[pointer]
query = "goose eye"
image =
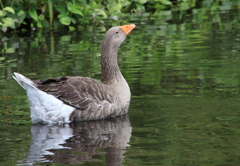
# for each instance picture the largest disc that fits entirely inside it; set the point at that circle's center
(117, 32)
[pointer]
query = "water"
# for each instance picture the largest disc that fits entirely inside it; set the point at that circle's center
(183, 71)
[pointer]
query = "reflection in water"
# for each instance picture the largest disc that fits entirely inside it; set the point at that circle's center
(78, 142)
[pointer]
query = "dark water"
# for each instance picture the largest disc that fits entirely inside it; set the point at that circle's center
(183, 68)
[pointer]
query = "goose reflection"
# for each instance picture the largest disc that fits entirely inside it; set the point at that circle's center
(80, 141)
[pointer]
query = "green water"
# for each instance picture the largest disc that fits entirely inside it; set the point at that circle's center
(183, 69)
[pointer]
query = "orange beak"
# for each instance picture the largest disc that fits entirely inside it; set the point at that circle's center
(128, 28)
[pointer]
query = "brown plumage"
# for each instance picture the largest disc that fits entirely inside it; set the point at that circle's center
(92, 99)
(88, 99)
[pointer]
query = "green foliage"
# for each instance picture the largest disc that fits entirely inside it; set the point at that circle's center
(55, 13)
(27, 14)
(5, 20)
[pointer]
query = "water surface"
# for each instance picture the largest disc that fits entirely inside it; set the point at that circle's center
(184, 73)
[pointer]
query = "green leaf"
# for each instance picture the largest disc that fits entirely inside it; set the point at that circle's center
(33, 14)
(142, 1)
(8, 22)
(21, 16)
(61, 9)
(74, 9)
(71, 28)
(39, 25)
(85, 21)
(9, 9)
(166, 2)
(41, 17)
(104, 14)
(62, 15)
(2, 13)
(20, 13)
(45, 23)
(65, 20)
(73, 20)
(126, 3)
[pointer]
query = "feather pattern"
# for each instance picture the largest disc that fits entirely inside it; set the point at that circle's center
(86, 95)
(66, 98)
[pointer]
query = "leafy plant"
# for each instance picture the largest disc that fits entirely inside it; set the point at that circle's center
(25, 14)
(7, 21)
(49, 13)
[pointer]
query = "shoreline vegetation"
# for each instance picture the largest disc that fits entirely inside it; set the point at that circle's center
(25, 15)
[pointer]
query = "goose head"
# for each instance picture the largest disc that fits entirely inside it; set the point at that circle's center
(115, 36)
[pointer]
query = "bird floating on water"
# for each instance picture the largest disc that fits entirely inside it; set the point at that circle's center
(66, 99)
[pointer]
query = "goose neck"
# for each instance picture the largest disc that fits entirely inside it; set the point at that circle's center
(110, 70)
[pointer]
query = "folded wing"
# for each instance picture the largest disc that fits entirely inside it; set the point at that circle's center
(78, 92)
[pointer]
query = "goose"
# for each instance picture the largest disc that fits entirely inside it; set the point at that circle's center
(68, 99)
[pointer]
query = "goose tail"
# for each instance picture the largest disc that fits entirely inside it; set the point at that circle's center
(24, 81)
(44, 107)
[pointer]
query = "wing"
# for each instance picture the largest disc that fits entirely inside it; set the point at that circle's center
(78, 92)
